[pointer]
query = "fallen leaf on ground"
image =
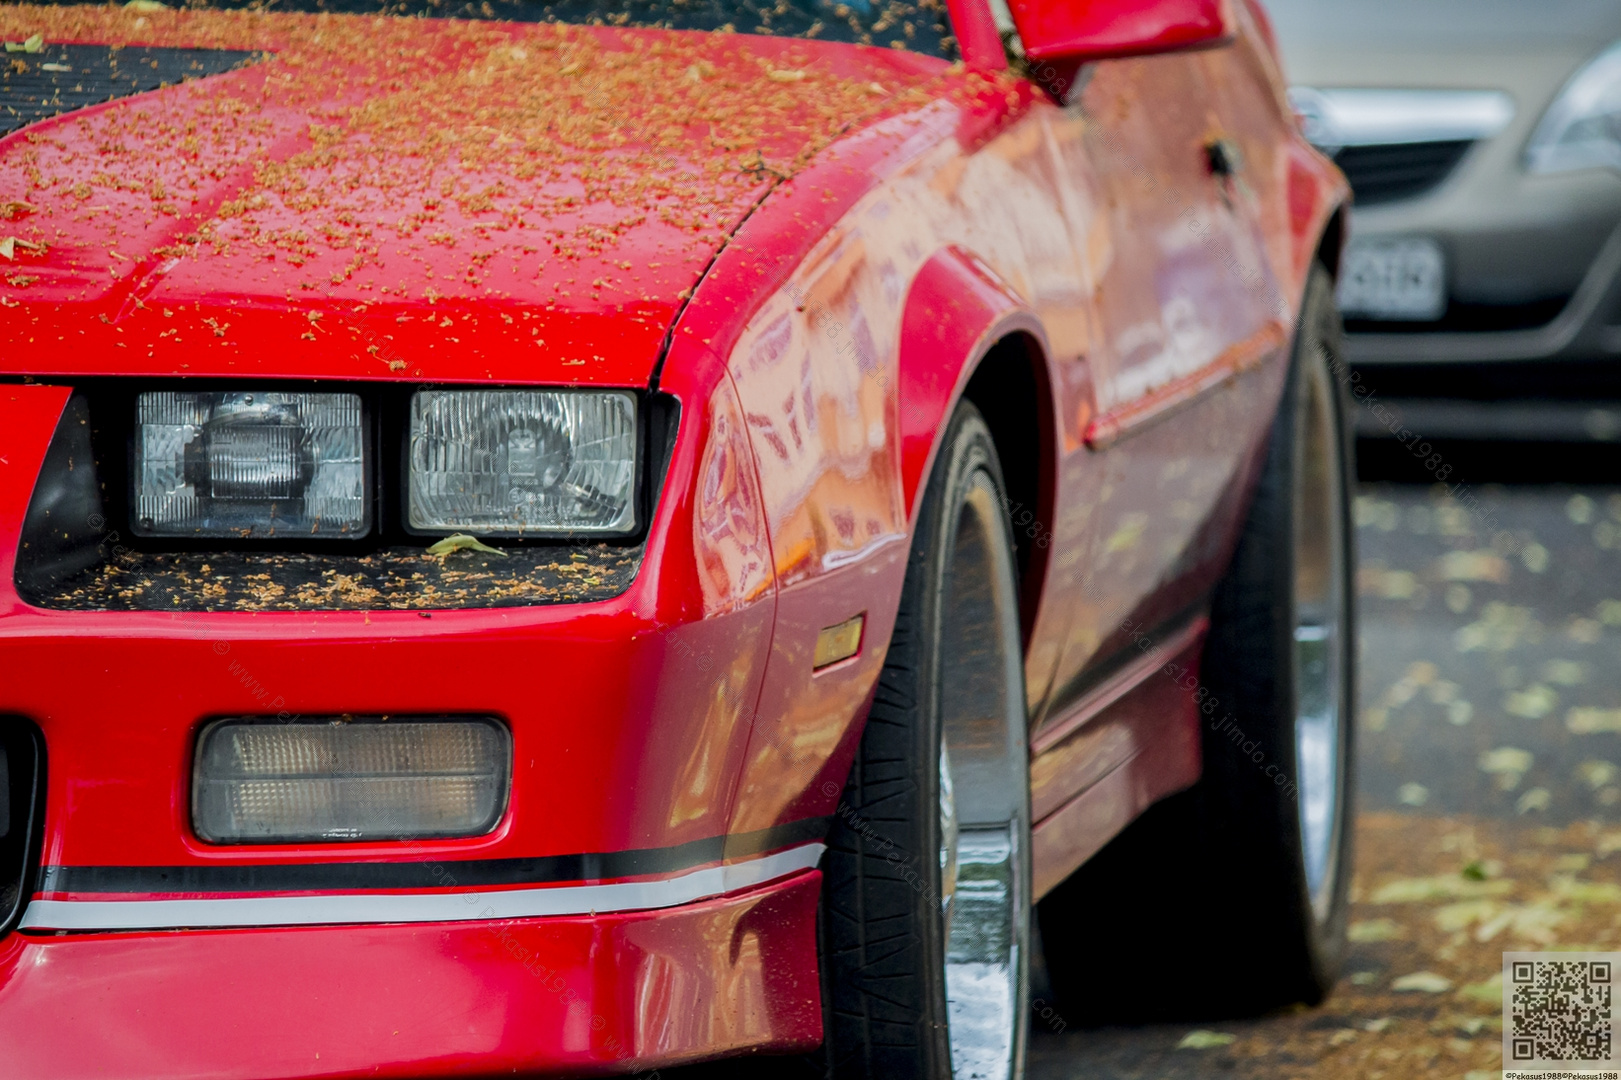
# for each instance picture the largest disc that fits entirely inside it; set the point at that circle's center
(1489, 991)
(1387, 584)
(1538, 798)
(1422, 982)
(1441, 887)
(1590, 721)
(1463, 914)
(1474, 566)
(1565, 672)
(1205, 1040)
(1413, 795)
(1586, 892)
(1374, 930)
(1595, 773)
(1507, 763)
(1608, 844)
(1533, 922)
(1532, 703)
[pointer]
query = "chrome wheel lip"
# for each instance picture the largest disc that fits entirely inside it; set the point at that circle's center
(984, 858)
(1320, 639)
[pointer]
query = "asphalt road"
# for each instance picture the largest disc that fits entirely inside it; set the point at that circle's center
(1489, 740)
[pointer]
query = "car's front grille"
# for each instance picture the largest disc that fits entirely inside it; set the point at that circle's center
(62, 78)
(1387, 172)
(22, 782)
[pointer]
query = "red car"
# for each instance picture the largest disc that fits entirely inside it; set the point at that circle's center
(575, 539)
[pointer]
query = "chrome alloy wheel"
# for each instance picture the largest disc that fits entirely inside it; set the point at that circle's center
(1320, 630)
(984, 808)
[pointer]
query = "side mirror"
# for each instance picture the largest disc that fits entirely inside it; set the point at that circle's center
(1061, 35)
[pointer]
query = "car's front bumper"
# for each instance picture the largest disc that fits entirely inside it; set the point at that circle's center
(1533, 264)
(614, 879)
(579, 995)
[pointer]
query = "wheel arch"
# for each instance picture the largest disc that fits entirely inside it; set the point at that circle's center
(1331, 243)
(966, 335)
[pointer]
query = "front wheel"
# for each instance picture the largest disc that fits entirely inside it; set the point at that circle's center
(926, 895)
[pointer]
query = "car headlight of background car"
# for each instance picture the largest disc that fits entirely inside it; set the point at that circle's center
(1582, 128)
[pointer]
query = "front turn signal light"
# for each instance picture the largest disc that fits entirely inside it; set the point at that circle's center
(350, 779)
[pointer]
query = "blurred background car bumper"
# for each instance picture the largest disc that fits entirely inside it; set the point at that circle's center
(1531, 269)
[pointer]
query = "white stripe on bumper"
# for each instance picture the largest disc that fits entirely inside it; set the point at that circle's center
(418, 907)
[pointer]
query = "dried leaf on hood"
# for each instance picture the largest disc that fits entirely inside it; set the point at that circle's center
(10, 245)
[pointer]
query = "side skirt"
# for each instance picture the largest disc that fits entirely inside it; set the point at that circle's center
(1130, 742)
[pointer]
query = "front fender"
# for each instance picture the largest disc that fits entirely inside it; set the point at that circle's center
(956, 310)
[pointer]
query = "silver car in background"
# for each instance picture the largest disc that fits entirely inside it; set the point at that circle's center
(1482, 139)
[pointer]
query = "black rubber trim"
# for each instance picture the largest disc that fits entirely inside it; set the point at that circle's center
(419, 873)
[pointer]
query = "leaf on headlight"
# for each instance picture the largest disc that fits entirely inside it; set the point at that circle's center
(461, 542)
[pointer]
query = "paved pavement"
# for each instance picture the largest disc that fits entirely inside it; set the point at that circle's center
(1490, 784)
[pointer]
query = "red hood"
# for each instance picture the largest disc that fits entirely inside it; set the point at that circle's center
(402, 198)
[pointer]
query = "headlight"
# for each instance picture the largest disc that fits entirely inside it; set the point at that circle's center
(250, 463)
(513, 462)
(350, 779)
(1582, 128)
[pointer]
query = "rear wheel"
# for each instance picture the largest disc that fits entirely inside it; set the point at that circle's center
(1232, 897)
(925, 908)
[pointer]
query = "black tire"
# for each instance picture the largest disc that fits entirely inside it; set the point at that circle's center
(1204, 906)
(954, 671)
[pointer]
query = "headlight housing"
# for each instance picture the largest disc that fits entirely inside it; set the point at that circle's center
(1582, 128)
(250, 463)
(523, 462)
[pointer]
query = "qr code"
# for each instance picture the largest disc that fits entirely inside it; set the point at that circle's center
(1558, 1007)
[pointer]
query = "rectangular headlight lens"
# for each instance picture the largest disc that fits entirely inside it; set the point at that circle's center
(509, 462)
(354, 779)
(250, 463)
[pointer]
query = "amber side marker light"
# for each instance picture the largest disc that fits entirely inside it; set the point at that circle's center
(350, 778)
(840, 642)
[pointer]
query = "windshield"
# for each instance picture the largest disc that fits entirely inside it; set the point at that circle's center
(915, 25)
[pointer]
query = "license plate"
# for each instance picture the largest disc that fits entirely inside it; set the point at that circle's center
(1393, 280)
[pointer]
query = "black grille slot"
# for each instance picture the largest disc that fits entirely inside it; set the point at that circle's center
(62, 78)
(1391, 171)
(22, 803)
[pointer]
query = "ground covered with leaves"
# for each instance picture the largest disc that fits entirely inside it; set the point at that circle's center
(1437, 901)
(1490, 781)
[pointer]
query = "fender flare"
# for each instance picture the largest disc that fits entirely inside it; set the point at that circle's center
(1318, 197)
(956, 310)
